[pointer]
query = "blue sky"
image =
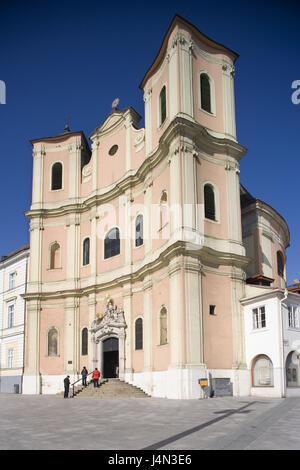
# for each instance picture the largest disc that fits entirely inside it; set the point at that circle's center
(71, 57)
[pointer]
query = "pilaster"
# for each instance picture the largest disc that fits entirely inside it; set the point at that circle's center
(186, 75)
(95, 146)
(148, 120)
(128, 127)
(193, 306)
(127, 307)
(38, 176)
(32, 381)
(74, 168)
(147, 287)
(177, 324)
(173, 80)
(228, 101)
(71, 336)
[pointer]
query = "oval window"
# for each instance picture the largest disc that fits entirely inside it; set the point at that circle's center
(113, 150)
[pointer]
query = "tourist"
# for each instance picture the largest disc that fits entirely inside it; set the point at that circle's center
(84, 374)
(67, 386)
(95, 377)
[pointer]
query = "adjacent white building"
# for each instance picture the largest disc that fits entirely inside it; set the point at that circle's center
(13, 279)
(272, 341)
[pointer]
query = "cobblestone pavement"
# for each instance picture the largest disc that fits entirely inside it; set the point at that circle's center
(53, 423)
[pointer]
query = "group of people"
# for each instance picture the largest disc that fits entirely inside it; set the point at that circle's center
(84, 374)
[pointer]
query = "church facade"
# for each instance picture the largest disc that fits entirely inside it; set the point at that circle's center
(142, 248)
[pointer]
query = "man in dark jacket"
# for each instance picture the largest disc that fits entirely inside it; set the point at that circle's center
(67, 386)
(84, 374)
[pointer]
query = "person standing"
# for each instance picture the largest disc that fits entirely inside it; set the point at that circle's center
(67, 386)
(84, 374)
(95, 377)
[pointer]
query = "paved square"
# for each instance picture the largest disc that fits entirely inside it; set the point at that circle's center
(53, 423)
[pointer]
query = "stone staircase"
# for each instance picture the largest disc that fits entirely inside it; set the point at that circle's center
(109, 388)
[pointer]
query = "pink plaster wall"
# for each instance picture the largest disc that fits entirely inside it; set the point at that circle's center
(50, 235)
(111, 167)
(213, 173)
(51, 317)
(137, 312)
(217, 329)
(160, 297)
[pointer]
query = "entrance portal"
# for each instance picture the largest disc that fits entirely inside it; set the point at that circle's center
(111, 358)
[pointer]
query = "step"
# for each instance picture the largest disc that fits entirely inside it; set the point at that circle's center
(111, 388)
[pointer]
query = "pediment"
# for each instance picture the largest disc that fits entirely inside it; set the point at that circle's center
(115, 120)
(112, 122)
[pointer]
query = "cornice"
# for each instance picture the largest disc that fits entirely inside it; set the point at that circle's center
(180, 127)
(178, 20)
(279, 293)
(263, 208)
(175, 257)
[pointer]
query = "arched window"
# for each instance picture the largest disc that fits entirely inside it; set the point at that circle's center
(52, 342)
(84, 342)
(112, 243)
(280, 264)
(139, 334)
(262, 372)
(56, 176)
(86, 252)
(293, 369)
(163, 325)
(162, 105)
(205, 92)
(139, 230)
(55, 256)
(209, 202)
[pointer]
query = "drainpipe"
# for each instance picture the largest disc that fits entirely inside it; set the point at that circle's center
(281, 328)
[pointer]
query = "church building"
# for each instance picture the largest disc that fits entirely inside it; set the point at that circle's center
(144, 245)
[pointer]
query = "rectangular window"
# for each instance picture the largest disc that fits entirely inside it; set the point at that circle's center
(293, 317)
(10, 357)
(259, 318)
(10, 316)
(12, 281)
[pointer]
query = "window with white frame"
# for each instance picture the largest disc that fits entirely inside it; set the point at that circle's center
(12, 281)
(293, 316)
(10, 357)
(10, 316)
(259, 317)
